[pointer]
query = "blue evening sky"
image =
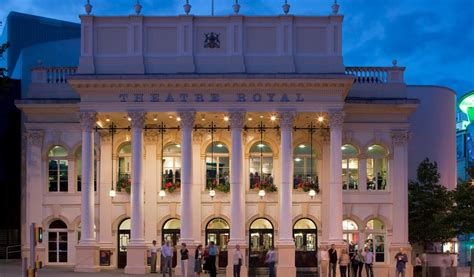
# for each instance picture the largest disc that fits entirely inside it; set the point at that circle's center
(434, 39)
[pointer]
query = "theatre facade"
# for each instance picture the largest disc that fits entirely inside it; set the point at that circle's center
(233, 129)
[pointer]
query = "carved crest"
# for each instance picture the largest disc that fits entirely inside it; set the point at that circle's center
(212, 40)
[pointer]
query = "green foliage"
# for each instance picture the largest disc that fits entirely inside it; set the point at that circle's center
(463, 211)
(3, 48)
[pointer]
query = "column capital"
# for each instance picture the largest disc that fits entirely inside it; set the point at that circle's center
(187, 118)
(400, 137)
(287, 118)
(138, 119)
(336, 118)
(237, 119)
(87, 120)
(34, 137)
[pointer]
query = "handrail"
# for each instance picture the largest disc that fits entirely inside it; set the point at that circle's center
(9, 247)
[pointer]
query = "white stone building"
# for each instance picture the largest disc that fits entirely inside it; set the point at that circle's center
(288, 115)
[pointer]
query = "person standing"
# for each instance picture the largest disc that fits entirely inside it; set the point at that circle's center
(270, 260)
(167, 254)
(323, 261)
(332, 260)
(418, 266)
(198, 257)
(357, 263)
(184, 259)
(213, 251)
(153, 252)
(368, 260)
(401, 259)
(237, 260)
(344, 261)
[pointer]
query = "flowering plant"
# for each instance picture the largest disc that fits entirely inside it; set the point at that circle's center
(266, 185)
(307, 186)
(217, 185)
(124, 183)
(170, 186)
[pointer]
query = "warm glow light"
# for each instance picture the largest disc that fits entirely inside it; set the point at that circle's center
(261, 145)
(320, 119)
(162, 194)
(250, 119)
(178, 118)
(112, 193)
(155, 119)
(212, 193)
(297, 159)
(261, 116)
(107, 119)
(371, 147)
(273, 118)
(129, 119)
(226, 118)
(170, 116)
(178, 145)
(302, 146)
(100, 124)
(312, 193)
(343, 148)
(220, 145)
(261, 193)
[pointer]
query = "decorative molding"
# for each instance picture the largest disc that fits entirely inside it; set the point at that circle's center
(336, 119)
(237, 119)
(138, 119)
(325, 136)
(34, 137)
(151, 137)
(87, 120)
(287, 118)
(187, 118)
(400, 137)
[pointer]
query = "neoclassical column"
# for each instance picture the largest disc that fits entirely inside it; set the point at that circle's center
(237, 212)
(363, 172)
(136, 251)
(336, 120)
(286, 245)
(87, 253)
(187, 122)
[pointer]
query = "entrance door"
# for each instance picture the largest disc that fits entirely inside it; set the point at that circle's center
(123, 238)
(217, 230)
(171, 233)
(261, 239)
(306, 241)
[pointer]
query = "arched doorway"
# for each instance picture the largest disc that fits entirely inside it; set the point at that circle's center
(305, 234)
(171, 233)
(123, 237)
(217, 230)
(261, 239)
(57, 242)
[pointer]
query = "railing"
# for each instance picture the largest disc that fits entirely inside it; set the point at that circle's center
(52, 75)
(376, 74)
(9, 251)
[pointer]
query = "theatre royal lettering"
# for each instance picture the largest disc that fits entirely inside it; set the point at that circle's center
(210, 97)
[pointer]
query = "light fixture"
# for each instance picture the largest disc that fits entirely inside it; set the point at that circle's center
(261, 145)
(261, 116)
(273, 118)
(220, 145)
(312, 193)
(226, 118)
(107, 118)
(178, 145)
(297, 159)
(129, 119)
(371, 147)
(212, 193)
(170, 116)
(343, 148)
(302, 146)
(261, 193)
(320, 119)
(155, 118)
(112, 193)
(250, 119)
(162, 193)
(99, 123)
(178, 118)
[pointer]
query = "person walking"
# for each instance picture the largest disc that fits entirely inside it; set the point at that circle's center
(211, 259)
(323, 261)
(332, 260)
(184, 259)
(153, 252)
(344, 261)
(270, 260)
(198, 257)
(237, 259)
(401, 259)
(167, 254)
(369, 261)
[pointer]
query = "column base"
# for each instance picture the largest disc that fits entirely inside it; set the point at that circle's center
(136, 259)
(87, 258)
(230, 261)
(286, 260)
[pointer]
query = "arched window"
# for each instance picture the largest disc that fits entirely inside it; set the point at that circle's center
(376, 167)
(57, 169)
(302, 164)
(305, 235)
(217, 166)
(351, 235)
(79, 169)
(375, 239)
(218, 231)
(261, 239)
(57, 242)
(123, 237)
(350, 167)
(172, 164)
(124, 167)
(261, 163)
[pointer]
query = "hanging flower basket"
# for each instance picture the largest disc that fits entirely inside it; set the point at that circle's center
(124, 183)
(307, 186)
(217, 185)
(266, 185)
(172, 186)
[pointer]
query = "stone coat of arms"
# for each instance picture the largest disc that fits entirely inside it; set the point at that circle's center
(212, 40)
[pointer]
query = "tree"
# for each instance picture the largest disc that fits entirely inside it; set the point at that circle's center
(463, 210)
(3, 48)
(430, 207)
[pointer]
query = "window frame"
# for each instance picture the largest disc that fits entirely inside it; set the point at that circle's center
(57, 179)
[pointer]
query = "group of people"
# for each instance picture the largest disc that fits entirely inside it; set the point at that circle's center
(204, 259)
(356, 261)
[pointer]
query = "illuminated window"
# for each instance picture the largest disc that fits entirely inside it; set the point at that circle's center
(302, 162)
(350, 167)
(376, 167)
(57, 169)
(261, 163)
(375, 239)
(351, 235)
(217, 166)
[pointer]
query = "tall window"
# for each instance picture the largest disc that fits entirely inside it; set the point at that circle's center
(351, 235)
(375, 239)
(350, 167)
(124, 167)
(261, 163)
(57, 242)
(79, 170)
(217, 165)
(57, 169)
(172, 163)
(302, 162)
(376, 167)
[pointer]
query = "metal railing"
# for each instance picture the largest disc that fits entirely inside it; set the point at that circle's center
(8, 250)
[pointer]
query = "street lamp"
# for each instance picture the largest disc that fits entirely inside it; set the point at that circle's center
(162, 193)
(212, 193)
(312, 193)
(261, 193)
